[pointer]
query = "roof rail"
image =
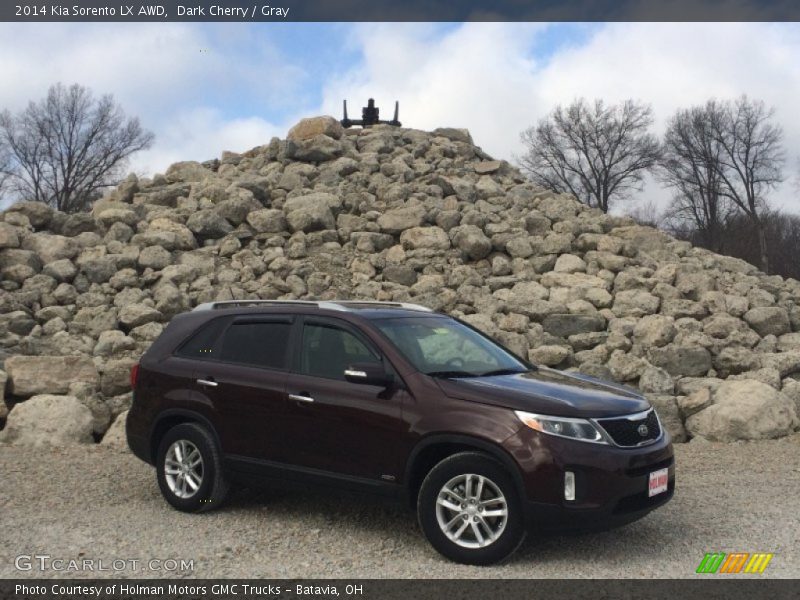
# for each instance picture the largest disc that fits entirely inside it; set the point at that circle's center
(342, 305)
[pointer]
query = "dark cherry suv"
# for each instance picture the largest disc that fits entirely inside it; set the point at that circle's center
(399, 400)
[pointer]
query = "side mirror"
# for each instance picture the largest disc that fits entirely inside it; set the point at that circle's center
(368, 373)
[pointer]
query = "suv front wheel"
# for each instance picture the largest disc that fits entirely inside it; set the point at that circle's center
(469, 509)
(189, 469)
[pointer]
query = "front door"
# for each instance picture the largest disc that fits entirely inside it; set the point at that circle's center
(333, 425)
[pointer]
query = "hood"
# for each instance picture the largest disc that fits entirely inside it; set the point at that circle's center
(548, 392)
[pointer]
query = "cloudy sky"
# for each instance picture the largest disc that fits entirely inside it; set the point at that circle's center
(205, 88)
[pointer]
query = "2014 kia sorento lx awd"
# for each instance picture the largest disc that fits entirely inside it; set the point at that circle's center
(395, 399)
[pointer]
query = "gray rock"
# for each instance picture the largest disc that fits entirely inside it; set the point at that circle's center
(656, 381)
(433, 238)
(310, 128)
(549, 355)
(48, 420)
(154, 257)
(565, 325)
(9, 238)
(654, 330)
(402, 274)
(744, 410)
(677, 360)
(267, 220)
(32, 375)
(768, 320)
(134, 315)
(397, 220)
(115, 379)
(310, 213)
(208, 224)
(472, 241)
(635, 303)
(115, 437)
(695, 402)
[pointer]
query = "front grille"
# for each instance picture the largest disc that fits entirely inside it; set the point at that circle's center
(625, 432)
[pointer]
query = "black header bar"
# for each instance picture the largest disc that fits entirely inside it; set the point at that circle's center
(399, 10)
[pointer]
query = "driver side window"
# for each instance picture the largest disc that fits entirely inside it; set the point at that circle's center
(327, 351)
(445, 346)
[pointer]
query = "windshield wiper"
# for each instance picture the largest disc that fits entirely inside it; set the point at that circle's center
(501, 372)
(449, 374)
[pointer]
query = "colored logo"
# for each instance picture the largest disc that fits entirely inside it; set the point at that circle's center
(735, 562)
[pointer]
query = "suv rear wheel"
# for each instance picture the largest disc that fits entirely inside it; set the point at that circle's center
(469, 509)
(189, 469)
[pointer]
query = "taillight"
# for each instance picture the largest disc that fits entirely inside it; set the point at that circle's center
(134, 375)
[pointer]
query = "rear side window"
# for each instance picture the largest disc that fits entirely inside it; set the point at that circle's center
(201, 343)
(257, 344)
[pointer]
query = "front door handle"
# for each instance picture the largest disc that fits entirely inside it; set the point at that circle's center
(300, 398)
(207, 382)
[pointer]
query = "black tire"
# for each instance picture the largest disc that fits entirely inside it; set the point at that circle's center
(510, 535)
(213, 486)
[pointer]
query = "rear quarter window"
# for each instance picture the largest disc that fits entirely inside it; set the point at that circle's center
(201, 344)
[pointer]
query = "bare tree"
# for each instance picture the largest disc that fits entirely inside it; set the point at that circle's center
(647, 213)
(597, 153)
(67, 147)
(5, 169)
(691, 165)
(751, 162)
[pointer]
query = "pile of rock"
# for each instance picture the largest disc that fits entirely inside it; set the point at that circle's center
(387, 214)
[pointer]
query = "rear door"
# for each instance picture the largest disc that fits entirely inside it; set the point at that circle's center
(333, 425)
(245, 381)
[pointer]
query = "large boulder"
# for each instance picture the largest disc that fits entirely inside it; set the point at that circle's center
(311, 212)
(267, 220)
(565, 325)
(397, 220)
(768, 320)
(208, 224)
(310, 128)
(654, 330)
(51, 247)
(744, 410)
(31, 375)
(635, 303)
(676, 359)
(472, 241)
(48, 420)
(433, 238)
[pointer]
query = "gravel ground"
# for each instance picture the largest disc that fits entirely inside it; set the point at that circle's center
(104, 504)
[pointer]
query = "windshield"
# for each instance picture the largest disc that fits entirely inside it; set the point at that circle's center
(443, 347)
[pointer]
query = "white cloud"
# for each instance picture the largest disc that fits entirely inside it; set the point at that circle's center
(202, 134)
(184, 81)
(206, 88)
(481, 76)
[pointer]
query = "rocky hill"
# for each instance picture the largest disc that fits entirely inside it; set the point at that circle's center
(386, 214)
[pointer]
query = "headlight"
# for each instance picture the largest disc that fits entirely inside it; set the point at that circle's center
(575, 429)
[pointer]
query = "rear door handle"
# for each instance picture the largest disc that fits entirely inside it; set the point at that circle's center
(207, 382)
(300, 398)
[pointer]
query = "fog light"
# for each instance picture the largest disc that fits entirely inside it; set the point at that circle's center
(569, 485)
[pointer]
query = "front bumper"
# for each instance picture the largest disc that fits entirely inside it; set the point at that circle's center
(611, 483)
